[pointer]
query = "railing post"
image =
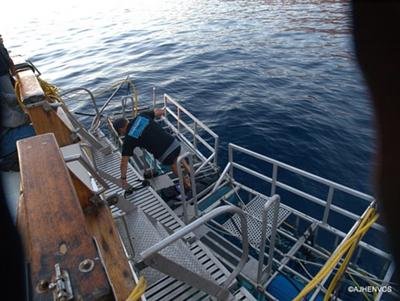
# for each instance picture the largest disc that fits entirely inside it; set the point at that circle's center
(328, 204)
(216, 145)
(230, 158)
(193, 184)
(178, 114)
(274, 178)
(273, 236)
(273, 202)
(194, 135)
(165, 105)
(154, 97)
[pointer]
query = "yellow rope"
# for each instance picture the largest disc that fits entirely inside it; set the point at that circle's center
(138, 291)
(135, 96)
(19, 96)
(346, 261)
(50, 90)
(358, 286)
(371, 216)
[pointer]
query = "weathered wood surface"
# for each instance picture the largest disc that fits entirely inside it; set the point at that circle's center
(84, 193)
(102, 227)
(30, 89)
(48, 122)
(22, 225)
(55, 224)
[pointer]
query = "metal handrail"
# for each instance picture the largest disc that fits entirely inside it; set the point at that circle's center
(192, 182)
(275, 183)
(273, 201)
(197, 124)
(168, 98)
(79, 128)
(316, 178)
(124, 102)
(326, 205)
(204, 163)
(221, 177)
(201, 221)
(87, 91)
(96, 121)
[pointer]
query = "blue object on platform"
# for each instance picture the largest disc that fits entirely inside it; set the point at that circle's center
(8, 141)
(284, 289)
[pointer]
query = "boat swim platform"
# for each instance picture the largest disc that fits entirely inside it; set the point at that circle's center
(155, 216)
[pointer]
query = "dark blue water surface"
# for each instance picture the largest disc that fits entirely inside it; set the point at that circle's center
(279, 77)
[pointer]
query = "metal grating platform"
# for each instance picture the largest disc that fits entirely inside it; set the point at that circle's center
(166, 288)
(243, 294)
(254, 220)
(143, 233)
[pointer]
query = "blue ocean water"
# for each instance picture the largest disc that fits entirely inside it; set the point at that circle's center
(278, 77)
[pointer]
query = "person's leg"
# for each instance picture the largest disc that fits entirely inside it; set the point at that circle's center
(172, 160)
(186, 179)
(9, 140)
(186, 166)
(174, 167)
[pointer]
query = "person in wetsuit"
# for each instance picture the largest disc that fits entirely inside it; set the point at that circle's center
(144, 132)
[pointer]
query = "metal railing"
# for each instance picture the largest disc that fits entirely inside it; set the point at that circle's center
(179, 126)
(92, 98)
(263, 274)
(273, 180)
(326, 205)
(181, 233)
(81, 130)
(97, 120)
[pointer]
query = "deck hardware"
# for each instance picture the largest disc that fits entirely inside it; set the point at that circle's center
(46, 106)
(112, 200)
(42, 286)
(63, 248)
(96, 201)
(61, 287)
(74, 136)
(86, 266)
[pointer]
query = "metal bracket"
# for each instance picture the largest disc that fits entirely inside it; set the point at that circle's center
(61, 287)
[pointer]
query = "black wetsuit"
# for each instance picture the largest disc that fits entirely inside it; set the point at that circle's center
(4, 61)
(144, 132)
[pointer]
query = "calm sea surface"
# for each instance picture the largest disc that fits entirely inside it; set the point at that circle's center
(278, 77)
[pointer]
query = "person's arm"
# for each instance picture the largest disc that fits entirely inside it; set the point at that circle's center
(159, 112)
(124, 169)
(154, 113)
(127, 150)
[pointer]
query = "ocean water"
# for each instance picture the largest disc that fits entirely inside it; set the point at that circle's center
(277, 77)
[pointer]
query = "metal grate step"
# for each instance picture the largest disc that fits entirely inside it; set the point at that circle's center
(243, 294)
(143, 233)
(110, 164)
(254, 220)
